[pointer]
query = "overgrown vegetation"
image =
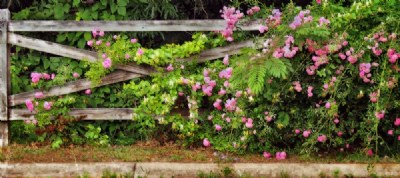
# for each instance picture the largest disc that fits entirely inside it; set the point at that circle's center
(320, 79)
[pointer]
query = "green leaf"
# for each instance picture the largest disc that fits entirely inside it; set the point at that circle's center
(113, 7)
(76, 3)
(103, 2)
(122, 3)
(283, 119)
(59, 12)
(87, 36)
(276, 68)
(61, 38)
(122, 10)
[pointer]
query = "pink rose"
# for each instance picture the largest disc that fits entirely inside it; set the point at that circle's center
(267, 155)
(107, 63)
(170, 68)
(206, 143)
(322, 138)
(218, 127)
(39, 95)
(47, 105)
(29, 104)
(75, 75)
(88, 92)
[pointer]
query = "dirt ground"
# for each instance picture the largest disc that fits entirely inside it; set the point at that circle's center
(151, 152)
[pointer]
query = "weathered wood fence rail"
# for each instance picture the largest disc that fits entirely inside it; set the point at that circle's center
(123, 72)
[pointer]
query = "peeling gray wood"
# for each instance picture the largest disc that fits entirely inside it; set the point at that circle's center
(67, 51)
(139, 25)
(220, 52)
(86, 113)
(4, 77)
(75, 86)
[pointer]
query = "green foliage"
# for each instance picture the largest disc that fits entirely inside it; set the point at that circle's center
(268, 103)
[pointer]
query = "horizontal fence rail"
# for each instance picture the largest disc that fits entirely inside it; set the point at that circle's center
(138, 25)
(75, 86)
(86, 114)
(67, 51)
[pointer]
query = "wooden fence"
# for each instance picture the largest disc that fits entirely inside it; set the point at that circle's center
(123, 72)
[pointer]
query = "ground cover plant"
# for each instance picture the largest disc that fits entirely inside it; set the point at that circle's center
(320, 79)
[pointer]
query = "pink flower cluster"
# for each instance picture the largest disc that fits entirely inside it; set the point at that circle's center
(272, 21)
(97, 32)
(306, 133)
(170, 68)
(397, 122)
(288, 50)
(29, 104)
(39, 95)
(226, 73)
(226, 60)
(206, 143)
(107, 63)
(393, 56)
(365, 69)
(373, 97)
(268, 116)
(323, 21)
(217, 104)
(297, 86)
(301, 18)
(35, 77)
(321, 54)
(309, 91)
(231, 16)
(253, 10)
(249, 123)
(322, 138)
(378, 38)
(280, 155)
(230, 104)
(380, 115)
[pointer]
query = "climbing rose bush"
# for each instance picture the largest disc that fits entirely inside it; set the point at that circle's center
(316, 80)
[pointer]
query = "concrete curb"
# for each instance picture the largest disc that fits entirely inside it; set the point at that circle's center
(166, 169)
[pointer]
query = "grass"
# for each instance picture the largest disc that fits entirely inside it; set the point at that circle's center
(148, 152)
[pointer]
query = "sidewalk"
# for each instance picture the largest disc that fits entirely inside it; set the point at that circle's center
(166, 169)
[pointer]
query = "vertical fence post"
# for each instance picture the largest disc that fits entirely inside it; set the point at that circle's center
(4, 77)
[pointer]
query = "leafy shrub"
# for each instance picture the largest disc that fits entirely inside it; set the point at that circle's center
(320, 79)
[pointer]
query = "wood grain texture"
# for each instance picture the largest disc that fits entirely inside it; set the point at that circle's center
(139, 25)
(75, 86)
(87, 113)
(67, 51)
(219, 52)
(4, 77)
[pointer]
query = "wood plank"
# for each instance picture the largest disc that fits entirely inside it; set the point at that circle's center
(75, 86)
(4, 77)
(220, 52)
(67, 51)
(138, 25)
(88, 113)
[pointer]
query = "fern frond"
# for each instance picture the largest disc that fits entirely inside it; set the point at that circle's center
(276, 68)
